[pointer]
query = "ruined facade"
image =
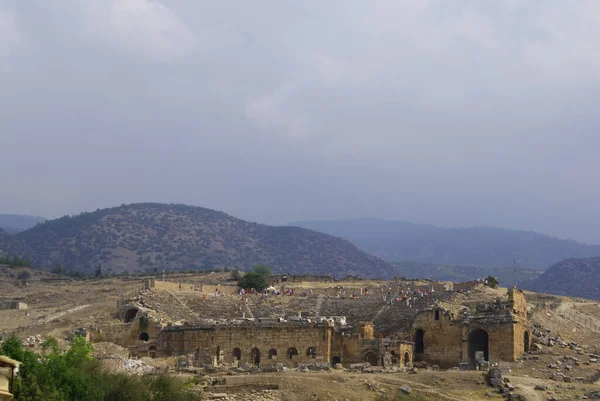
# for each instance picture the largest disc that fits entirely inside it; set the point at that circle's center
(499, 330)
(446, 334)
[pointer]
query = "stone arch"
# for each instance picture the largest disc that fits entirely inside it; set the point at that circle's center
(419, 341)
(237, 354)
(372, 358)
(291, 352)
(144, 336)
(311, 352)
(407, 359)
(255, 354)
(130, 314)
(272, 353)
(526, 341)
(478, 340)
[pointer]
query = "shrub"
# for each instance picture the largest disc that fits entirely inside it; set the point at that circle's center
(263, 270)
(253, 280)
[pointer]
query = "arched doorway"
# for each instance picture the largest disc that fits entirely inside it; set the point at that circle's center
(255, 353)
(478, 341)
(372, 358)
(407, 360)
(272, 353)
(152, 351)
(526, 341)
(144, 337)
(335, 359)
(311, 352)
(419, 343)
(237, 354)
(130, 315)
(291, 352)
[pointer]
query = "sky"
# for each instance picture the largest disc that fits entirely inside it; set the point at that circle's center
(452, 113)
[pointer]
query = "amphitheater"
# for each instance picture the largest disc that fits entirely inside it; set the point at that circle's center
(323, 321)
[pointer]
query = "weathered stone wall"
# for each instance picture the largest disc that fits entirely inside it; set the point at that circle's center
(136, 333)
(448, 341)
(442, 339)
(222, 341)
(13, 305)
(352, 349)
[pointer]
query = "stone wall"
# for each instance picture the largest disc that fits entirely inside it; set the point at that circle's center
(501, 332)
(289, 344)
(353, 349)
(13, 305)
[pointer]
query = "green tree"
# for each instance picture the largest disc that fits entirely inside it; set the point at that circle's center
(50, 343)
(263, 270)
(252, 280)
(492, 282)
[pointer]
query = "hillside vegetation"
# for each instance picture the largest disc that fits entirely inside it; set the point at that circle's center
(474, 246)
(572, 277)
(9, 245)
(148, 237)
(15, 223)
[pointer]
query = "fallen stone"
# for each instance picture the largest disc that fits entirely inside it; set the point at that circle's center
(405, 389)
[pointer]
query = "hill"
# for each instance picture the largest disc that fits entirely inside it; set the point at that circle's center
(150, 236)
(461, 274)
(15, 223)
(571, 277)
(9, 245)
(475, 246)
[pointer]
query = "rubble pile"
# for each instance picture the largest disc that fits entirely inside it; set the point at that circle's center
(33, 341)
(136, 366)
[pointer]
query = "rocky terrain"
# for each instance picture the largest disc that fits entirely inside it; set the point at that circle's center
(572, 277)
(563, 363)
(152, 237)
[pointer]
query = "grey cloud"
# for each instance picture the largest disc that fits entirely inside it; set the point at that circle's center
(453, 113)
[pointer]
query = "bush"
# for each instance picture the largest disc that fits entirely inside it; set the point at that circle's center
(492, 282)
(253, 280)
(74, 376)
(263, 270)
(24, 275)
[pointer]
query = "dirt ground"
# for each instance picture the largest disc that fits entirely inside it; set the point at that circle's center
(57, 307)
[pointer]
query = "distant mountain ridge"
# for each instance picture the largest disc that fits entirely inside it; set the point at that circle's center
(148, 236)
(15, 223)
(475, 246)
(571, 277)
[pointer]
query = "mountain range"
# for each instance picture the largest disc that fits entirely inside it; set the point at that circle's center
(15, 223)
(470, 246)
(151, 236)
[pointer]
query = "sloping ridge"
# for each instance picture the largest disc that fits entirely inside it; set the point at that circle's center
(9, 245)
(571, 277)
(14, 223)
(149, 236)
(472, 246)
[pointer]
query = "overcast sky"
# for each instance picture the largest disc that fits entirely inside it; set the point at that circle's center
(446, 112)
